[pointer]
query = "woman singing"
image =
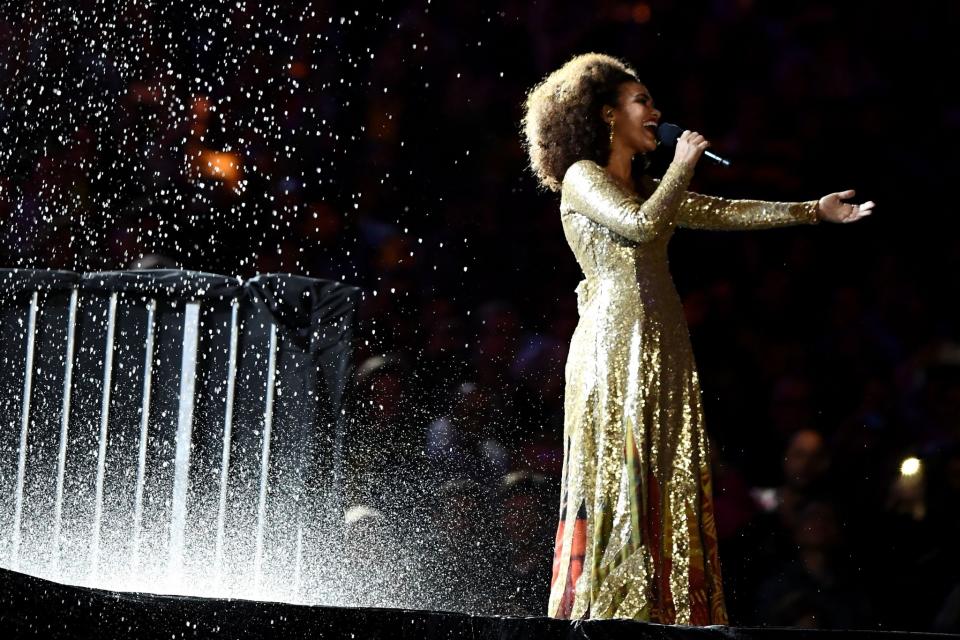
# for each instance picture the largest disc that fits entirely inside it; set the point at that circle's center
(636, 537)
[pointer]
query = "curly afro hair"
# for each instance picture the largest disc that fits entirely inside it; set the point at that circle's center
(562, 122)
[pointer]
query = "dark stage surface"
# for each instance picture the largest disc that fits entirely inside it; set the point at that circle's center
(35, 608)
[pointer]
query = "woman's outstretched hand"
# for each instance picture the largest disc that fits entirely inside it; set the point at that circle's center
(833, 210)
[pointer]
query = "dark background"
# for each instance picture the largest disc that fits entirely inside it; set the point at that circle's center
(378, 143)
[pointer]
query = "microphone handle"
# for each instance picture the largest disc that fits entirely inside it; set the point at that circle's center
(721, 161)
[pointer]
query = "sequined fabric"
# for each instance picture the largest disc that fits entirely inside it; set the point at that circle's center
(636, 537)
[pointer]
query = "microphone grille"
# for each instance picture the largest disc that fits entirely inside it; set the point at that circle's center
(668, 133)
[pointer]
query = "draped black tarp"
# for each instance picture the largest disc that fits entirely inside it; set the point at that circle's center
(34, 608)
(130, 390)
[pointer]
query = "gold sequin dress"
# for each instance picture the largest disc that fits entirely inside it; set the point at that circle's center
(636, 537)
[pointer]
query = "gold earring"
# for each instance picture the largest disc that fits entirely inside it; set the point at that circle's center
(611, 132)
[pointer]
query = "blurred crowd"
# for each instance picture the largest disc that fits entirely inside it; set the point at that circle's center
(383, 150)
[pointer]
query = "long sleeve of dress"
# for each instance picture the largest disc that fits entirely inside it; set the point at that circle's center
(588, 189)
(698, 211)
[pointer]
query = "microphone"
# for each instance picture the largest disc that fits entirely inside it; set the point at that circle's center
(669, 133)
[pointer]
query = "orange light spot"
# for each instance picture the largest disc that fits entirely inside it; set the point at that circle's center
(220, 165)
(642, 13)
(298, 70)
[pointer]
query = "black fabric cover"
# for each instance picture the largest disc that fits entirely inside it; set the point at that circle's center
(34, 608)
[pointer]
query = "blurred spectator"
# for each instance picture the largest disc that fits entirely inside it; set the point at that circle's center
(814, 588)
(384, 458)
(539, 367)
(465, 555)
(805, 465)
(769, 538)
(527, 518)
(463, 443)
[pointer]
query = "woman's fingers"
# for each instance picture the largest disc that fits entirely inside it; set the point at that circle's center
(696, 139)
(690, 147)
(857, 212)
(862, 210)
(849, 193)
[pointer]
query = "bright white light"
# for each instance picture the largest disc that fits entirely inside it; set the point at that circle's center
(910, 466)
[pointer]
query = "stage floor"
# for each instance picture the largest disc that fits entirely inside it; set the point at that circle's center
(34, 608)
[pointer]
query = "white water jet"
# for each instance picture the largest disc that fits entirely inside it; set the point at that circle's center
(24, 426)
(181, 464)
(144, 429)
(227, 436)
(265, 457)
(104, 424)
(64, 427)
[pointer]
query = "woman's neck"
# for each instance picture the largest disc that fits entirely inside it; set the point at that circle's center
(620, 166)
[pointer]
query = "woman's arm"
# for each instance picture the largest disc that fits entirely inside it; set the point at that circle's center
(588, 189)
(698, 211)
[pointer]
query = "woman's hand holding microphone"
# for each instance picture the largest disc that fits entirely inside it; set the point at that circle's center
(690, 146)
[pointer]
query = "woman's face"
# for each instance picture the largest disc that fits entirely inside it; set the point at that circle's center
(635, 118)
